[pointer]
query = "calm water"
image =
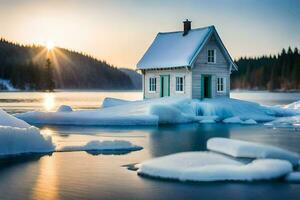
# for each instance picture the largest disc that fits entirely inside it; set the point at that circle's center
(80, 175)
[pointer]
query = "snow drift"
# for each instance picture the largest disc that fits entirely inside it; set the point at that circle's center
(208, 166)
(163, 110)
(243, 149)
(18, 137)
(95, 145)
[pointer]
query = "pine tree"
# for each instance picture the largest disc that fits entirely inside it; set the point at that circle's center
(50, 85)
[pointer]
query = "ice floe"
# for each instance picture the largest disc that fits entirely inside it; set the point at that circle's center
(264, 163)
(18, 137)
(208, 166)
(169, 110)
(244, 149)
(293, 177)
(64, 108)
(286, 122)
(106, 145)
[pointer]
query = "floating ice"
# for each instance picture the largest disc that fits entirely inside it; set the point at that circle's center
(233, 120)
(238, 148)
(249, 122)
(9, 120)
(208, 166)
(286, 122)
(170, 110)
(17, 137)
(95, 145)
(293, 177)
(64, 108)
(109, 102)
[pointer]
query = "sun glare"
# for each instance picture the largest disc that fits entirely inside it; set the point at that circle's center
(49, 45)
(49, 101)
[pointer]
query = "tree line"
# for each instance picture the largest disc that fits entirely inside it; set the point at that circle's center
(33, 67)
(274, 72)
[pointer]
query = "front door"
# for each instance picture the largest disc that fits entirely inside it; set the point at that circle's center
(164, 85)
(206, 86)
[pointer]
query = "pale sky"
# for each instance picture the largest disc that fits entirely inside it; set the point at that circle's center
(120, 31)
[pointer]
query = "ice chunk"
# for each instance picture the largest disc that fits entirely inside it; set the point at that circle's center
(294, 105)
(207, 121)
(208, 166)
(9, 120)
(168, 114)
(155, 111)
(17, 137)
(108, 145)
(15, 140)
(293, 177)
(64, 108)
(286, 122)
(238, 148)
(249, 122)
(109, 102)
(233, 120)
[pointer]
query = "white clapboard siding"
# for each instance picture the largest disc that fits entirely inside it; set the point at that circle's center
(173, 73)
(219, 69)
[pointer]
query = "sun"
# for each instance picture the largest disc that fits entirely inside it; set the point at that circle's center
(49, 45)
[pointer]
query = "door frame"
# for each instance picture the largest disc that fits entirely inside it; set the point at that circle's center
(161, 84)
(203, 76)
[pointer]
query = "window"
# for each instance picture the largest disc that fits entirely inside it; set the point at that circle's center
(179, 84)
(152, 84)
(211, 56)
(221, 84)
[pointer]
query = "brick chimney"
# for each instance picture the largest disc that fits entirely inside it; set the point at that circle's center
(186, 27)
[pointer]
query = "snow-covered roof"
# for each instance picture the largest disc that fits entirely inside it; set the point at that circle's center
(172, 49)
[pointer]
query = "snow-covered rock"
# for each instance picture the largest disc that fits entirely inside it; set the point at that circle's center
(108, 145)
(244, 149)
(158, 111)
(17, 137)
(293, 177)
(208, 166)
(64, 108)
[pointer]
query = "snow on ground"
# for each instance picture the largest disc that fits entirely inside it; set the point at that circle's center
(208, 166)
(7, 84)
(17, 137)
(243, 149)
(160, 111)
(108, 145)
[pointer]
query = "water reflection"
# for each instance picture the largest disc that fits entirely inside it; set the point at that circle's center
(46, 186)
(172, 139)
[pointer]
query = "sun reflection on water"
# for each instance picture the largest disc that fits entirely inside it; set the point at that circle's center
(49, 101)
(46, 183)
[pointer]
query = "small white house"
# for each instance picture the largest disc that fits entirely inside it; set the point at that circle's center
(193, 63)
